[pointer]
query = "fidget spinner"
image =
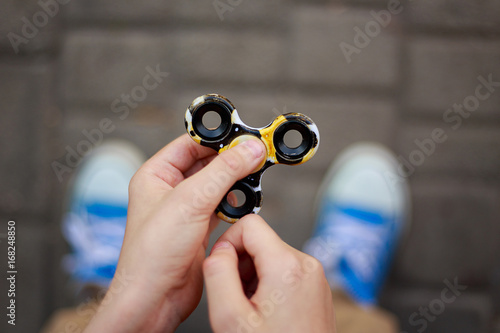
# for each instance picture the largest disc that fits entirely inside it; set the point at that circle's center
(232, 131)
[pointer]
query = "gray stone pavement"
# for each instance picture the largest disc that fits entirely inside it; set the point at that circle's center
(70, 61)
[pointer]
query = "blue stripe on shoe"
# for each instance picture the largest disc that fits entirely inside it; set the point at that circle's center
(365, 216)
(106, 272)
(106, 210)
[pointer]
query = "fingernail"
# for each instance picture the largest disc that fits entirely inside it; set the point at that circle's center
(255, 147)
(220, 245)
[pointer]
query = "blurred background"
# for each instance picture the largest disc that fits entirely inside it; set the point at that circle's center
(375, 70)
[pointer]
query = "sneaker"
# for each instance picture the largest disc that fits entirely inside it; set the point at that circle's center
(361, 213)
(94, 225)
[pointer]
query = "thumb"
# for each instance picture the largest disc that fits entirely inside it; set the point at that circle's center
(225, 295)
(202, 192)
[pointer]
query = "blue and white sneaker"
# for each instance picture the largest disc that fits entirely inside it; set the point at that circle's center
(361, 213)
(94, 226)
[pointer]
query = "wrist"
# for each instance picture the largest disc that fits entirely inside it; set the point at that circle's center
(129, 307)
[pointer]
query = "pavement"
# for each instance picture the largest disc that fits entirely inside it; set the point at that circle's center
(421, 77)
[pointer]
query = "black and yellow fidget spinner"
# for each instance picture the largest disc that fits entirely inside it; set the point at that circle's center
(232, 131)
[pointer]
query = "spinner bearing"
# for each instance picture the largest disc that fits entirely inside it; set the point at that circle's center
(232, 131)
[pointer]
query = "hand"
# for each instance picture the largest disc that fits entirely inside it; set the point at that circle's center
(170, 216)
(257, 283)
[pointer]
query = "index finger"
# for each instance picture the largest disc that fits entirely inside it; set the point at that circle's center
(254, 236)
(176, 158)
